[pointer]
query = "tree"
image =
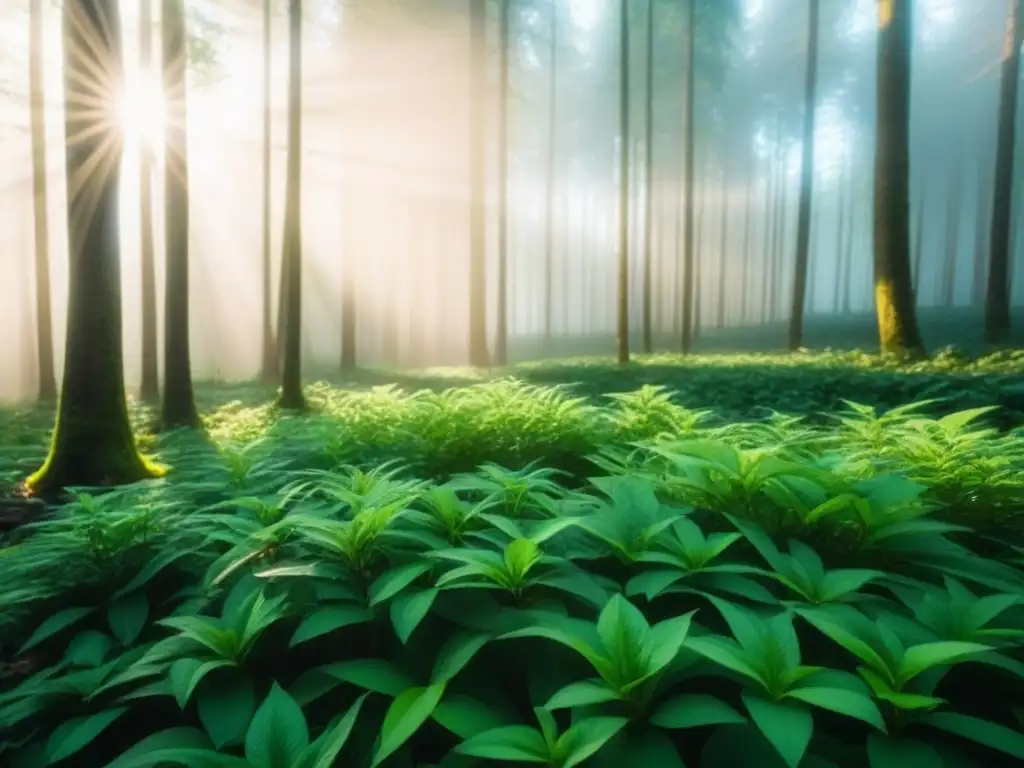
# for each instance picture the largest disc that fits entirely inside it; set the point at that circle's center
(269, 361)
(477, 225)
(648, 179)
(291, 374)
(997, 300)
(689, 119)
(92, 440)
(179, 407)
(623, 277)
(803, 227)
(44, 315)
(549, 179)
(894, 290)
(504, 35)
(149, 390)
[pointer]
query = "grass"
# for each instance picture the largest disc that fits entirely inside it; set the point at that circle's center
(804, 560)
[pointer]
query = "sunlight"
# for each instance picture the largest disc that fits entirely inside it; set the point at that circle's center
(140, 111)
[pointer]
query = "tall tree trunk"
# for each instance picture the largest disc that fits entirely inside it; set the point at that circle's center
(851, 234)
(622, 304)
(894, 292)
(689, 119)
(149, 390)
(983, 220)
(842, 191)
(549, 180)
(803, 226)
(723, 254)
(179, 407)
(44, 313)
(748, 218)
(269, 360)
(768, 236)
(349, 295)
(954, 198)
(291, 375)
(778, 243)
(698, 262)
(477, 225)
(92, 439)
(997, 299)
(504, 42)
(648, 182)
(919, 239)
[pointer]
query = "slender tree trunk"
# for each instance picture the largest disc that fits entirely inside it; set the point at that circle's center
(778, 243)
(92, 440)
(919, 240)
(178, 408)
(291, 375)
(504, 42)
(698, 262)
(690, 139)
(723, 254)
(149, 390)
(997, 299)
(768, 236)
(44, 313)
(748, 217)
(623, 277)
(803, 226)
(549, 183)
(954, 199)
(983, 220)
(894, 292)
(270, 360)
(648, 182)
(851, 235)
(348, 287)
(478, 355)
(842, 192)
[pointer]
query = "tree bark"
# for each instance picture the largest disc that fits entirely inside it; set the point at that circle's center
(997, 299)
(269, 360)
(919, 240)
(803, 226)
(92, 442)
(894, 291)
(149, 390)
(748, 218)
(954, 199)
(478, 355)
(292, 397)
(623, 276)
(501, 329)
(723, 253)
(47, 384)
(689, 119)
(648, 301)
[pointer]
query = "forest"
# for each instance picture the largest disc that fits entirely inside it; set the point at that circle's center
(450, 383)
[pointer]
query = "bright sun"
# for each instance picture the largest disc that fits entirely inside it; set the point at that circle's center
(141, 113)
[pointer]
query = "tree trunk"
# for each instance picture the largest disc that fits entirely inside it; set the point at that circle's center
(504, 41)
(803, 226)
(778, 243)
(648, 182)
(270, 360)
(92, 440)
(690, 139)
(851, 234)
(768, 236)
(954, 199)
(44, 313)
(477, 225)
(291, 375)
(149, 390)
(983, 220)
(623, 277)
(349, 282)
(997, 299)
(843, 190)
(919, 240)
(747, 232)
(549, 181)
(723, 254)
(179, 408)
(894, 292)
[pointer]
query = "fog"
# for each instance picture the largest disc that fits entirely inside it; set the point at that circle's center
(385, 172)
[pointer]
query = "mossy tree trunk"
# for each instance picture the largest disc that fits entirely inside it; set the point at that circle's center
(478, 355)
(178, 407)
(44, 312)
(149, 390)
(92, 443)
(504, 43)
(997, 297)
(269, 360)
(894, 290)
(291, 374)
(622, 341)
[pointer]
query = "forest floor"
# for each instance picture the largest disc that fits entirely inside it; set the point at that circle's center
(456, 559)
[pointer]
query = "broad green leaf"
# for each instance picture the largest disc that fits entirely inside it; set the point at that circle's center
(278, 733)
(623, 631)
(520, 556)
(845, 581)
(324, 751)
(650, 584)
(919, 658)
(840, 700)
(404, 717)
(510, 743)
(88, 649)
(882, 690)
(581, 694)
(329, 619)
(847, 639)
(665, 640)
(787, 727)
(376, 675)
(992, 735)
(639, 747)
(53, 625)
(73, 735)
(694, 710)
(456, 653)
(728, 654)
(409, 609)
(226, 710)
(127, 616)
(887, 752)
(466, 717)
(161, 741)
(585, 737)
(567, 639)
(185, 674)
(393, 581)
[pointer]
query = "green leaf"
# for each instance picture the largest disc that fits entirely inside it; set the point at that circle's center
(127, 616)
(787, 727)
(887, 752)
(581, 694)
(650, 584)
(391, 582)
(329, 619)
(278, 733)
(520, 556)
(409, 609)
(88, 649)
(694, 710)
(374, 675)
(919, 658)
(73, 735)
(842, 701)
(623, 630)
(161, 741)
(404, 717)
(53, 625)
(225, 710)
(992, 735)
(186, 674)
(665, 640)
(511, 743)
(728, 654)
(585, 737)
(324, 751)
(466, 717)
(456, 653)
